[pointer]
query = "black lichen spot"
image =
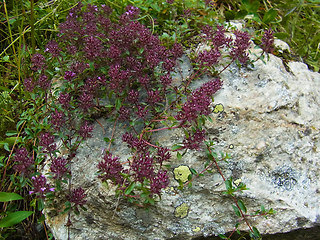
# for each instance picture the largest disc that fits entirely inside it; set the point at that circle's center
(259, 158)
(284, 178)
(89, 220)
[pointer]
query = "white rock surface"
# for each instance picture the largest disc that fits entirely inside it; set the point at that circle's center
(270, 126)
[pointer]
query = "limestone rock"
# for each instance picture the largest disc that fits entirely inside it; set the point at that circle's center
(267, 119)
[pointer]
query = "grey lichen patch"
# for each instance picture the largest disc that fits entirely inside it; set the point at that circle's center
(181, 173)
(181, 211)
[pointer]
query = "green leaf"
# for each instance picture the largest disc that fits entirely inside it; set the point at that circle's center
(236, 210)
(270, 16)
(14, 218)
(256, 233)
(228, 184)
(130, 188)
(175, 147)
(242, 206)
(193, 171)
(222, 236)
(179, 156)
(6, 197)
(118, 103)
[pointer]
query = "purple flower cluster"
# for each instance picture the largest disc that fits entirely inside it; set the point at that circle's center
(64, 100)
(208, 58)
(160, 181)
(57, 119)
(77, 196)
(59, 167)
(29, 84)
(163, 155)
(194, 141)
(142, 165)
(199, 102)
(85, 130)
(267, 41)
(38, 62)
(134, 142)
(46, 140)
(53, 48)
(240, 46)
(24, 162)
(40, 186)
(128, 53)
(111, 169)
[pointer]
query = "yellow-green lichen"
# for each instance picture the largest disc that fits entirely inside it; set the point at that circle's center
(218, 108)
(182, 210)
(196, 229)
(181, 173)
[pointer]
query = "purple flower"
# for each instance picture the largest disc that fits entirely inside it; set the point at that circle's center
(241, 44)
(169, 64)
(166, 80)
(219, 39)
(194, 141)
(163, 155)
(160, 181)
(111, 169)
(29, 84)
(141, 111)
(77, 197)
(153, 97)
(68, 75)
(85, 130)
(199, 102)
(209, 58)
(57, 119)
(142, 165)
(85, 101)
(47, 141)
(267, 41)
(133, 96)
(53, 48)
(40, 186)
(176, 50)
(59, 167)
(144, 80)
(124, 113)
(93, 47)
(38, 62)
(170, 1)
(24, 162)
(64, 100)
(44, 82)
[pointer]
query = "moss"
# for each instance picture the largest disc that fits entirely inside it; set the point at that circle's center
(181, 173)
(182, 210)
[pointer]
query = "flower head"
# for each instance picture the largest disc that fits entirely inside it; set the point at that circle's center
(77, 196)
(111, 169)
(267, 41)
(85, 130)
(160, 181)
(40, 186)
(47, 141)
(24, 162)
(38, 62)
(59, 167)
